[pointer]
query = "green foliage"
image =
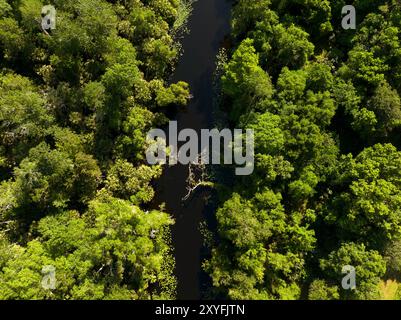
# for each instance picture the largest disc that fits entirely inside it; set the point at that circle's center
(246, 14)
(77, 101)
(244, 80)
(392, 256)
(106, 254)
(369, 206)
(369, 267)
(126, 181)
(50, 179)
(386, 104)
(262, 248)
(12, 38)
(177, 93)
(321, 92)
(184, 10)
(319, 290)
(24, 116)
(314, 15)
(293, 46)
(75, 105)
(5, 8)
(364, 67)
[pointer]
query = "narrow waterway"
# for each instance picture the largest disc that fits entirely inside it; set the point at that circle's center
(208, 25)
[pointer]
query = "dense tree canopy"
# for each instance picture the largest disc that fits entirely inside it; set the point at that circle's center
(76, 191)
(325, 192)
(75, 104)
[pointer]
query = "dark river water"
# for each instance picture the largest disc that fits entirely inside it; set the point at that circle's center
(208, 25)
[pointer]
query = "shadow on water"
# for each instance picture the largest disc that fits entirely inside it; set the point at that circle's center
(208, 25)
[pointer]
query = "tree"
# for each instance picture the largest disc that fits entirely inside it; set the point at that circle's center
(319, 290)
(110, 253)
(75, 105)
(291, 85)
(5, 8)
(315, 16)
(262, 251)
(369, 267)
(386, 105)
(362, 120)
(128, 182)
(319, 76)
(176, 93)
(382, 36)
(311, 93)
(392, 257)
(369, 206)
(131, 144)
(280, 45)
(364, 67)
(49, 180)
(246, 14)
(25, 117)
(293, 46)
(244, 80)
(12, 40)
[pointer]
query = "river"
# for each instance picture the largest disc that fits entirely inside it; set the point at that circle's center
(208, 25)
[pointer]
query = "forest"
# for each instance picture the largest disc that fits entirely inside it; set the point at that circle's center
(325, 106)
(74, 108)
(76, 190)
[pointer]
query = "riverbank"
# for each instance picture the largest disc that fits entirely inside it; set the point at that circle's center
(208, 25)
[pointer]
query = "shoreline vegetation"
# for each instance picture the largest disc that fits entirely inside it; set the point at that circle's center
(184, 11)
